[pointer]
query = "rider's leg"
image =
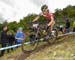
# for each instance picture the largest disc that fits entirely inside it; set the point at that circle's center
(52, 25)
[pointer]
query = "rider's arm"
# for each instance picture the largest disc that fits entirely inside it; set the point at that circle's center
(36, 18)
(40, 14)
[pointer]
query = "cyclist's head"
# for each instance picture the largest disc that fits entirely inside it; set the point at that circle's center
(44, 7)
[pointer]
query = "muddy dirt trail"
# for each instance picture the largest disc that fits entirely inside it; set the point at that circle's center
(62, 49)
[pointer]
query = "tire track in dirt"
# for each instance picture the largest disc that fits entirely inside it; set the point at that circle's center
(27, 54)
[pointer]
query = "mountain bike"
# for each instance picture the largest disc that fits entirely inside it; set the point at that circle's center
(39, 32)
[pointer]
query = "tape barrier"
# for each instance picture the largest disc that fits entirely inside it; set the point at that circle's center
(5, 48)
(67, 34)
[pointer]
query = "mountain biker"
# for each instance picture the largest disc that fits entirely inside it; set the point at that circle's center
(48, 15)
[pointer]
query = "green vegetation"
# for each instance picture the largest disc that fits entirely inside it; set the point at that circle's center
(65, 13)
(60, 16)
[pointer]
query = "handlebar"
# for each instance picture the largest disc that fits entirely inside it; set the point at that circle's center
(37, 25)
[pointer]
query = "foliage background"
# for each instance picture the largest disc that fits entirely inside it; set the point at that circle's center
(60, 17)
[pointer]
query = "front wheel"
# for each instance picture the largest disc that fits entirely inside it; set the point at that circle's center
(31, 45)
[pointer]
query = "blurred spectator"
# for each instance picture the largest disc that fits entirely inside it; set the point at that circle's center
(11, 39)
(4, 40)
(67, 26)
(20, 36)
(61, 28)
(74, 26)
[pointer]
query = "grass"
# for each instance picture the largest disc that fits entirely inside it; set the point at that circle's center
(64, 49)
(58, 51)
(16, 52)
(11, 54)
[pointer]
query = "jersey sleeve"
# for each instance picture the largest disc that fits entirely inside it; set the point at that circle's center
(52, 15)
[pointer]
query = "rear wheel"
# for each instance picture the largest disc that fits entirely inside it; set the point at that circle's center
(53, 37)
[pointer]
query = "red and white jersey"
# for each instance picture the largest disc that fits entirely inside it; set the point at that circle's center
(48, 16)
